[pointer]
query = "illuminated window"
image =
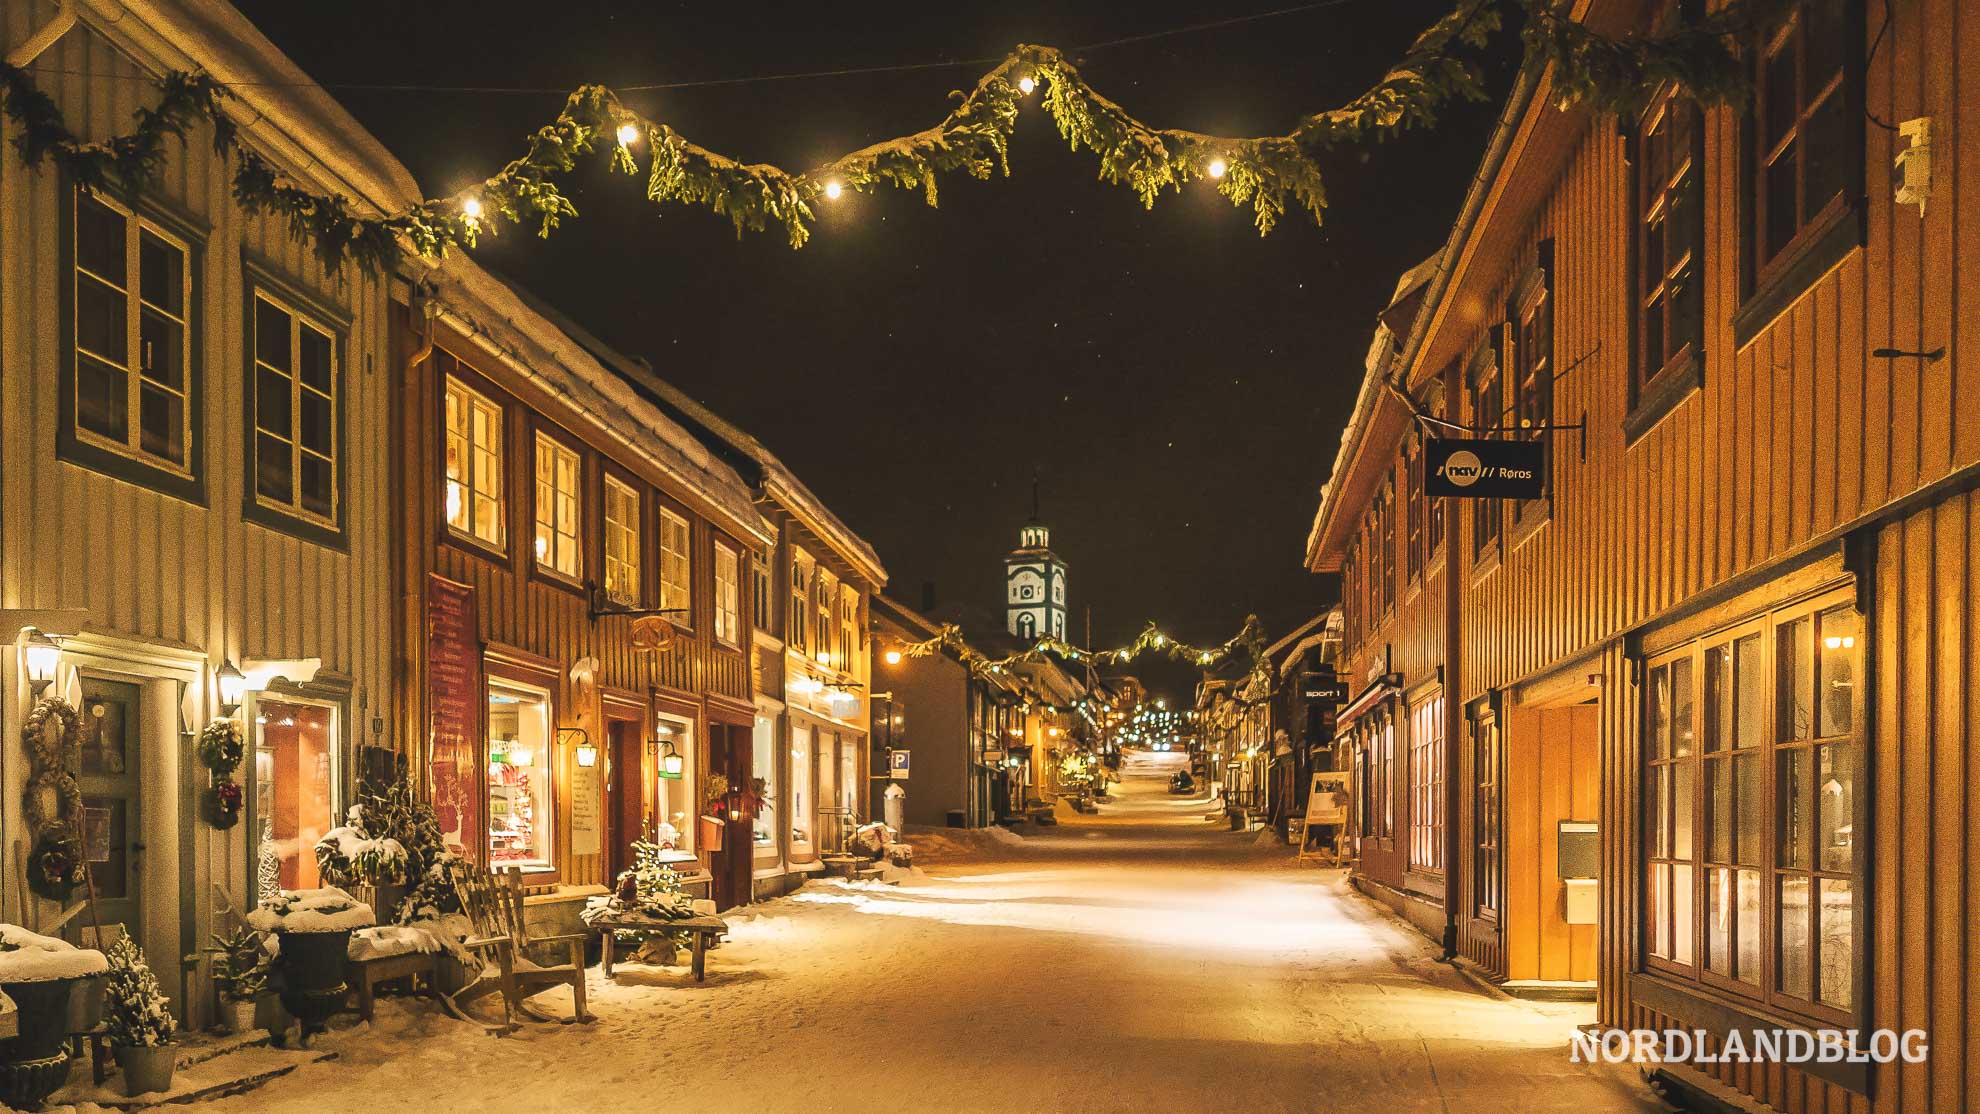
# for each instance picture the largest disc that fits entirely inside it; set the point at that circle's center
(675, 567)
(621, 543)
(728, 595)
(558, 483)
(521, 794)
(294, 787)
(474, 504)
(1426, 785)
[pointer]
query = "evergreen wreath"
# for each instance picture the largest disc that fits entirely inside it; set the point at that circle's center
(1609, 73)
(51, 804)
(221, 749)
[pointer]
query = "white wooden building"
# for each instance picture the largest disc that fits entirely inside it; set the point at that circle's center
(193, 459)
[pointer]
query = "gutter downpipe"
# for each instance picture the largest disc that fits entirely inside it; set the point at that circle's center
(33, 46)
(1515, 110)
(408, 553)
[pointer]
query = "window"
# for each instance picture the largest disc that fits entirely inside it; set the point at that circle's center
(1412, 483)
(1749, 795)
(1433, 509)
(802, 803)
(673, 793)
(800, 617)
(474, 466)
(1386, 523)
(295, 411)
(1670, 240)
(294, 792)
(558, 489)
(1485, 419)
(674, 566)
(763, 767)
(1485, 881)
(1426, 785)
(824, 599)
(1805, 150)
(133, 346)
(728, 595)
(1533, 354)
(760, 581)
(621, 543)
(1386, 739)
(521, 796)
(848, 626)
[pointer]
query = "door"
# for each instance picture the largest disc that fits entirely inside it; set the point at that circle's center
(729, 749)
(625, 806)
(112, 725)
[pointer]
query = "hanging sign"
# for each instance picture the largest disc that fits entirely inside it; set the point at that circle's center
(453, 681)
(1468, 469)
(1323, 687)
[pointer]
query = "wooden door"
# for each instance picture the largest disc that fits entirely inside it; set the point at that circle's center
(626, 817)
(111, 737)
(729, 754)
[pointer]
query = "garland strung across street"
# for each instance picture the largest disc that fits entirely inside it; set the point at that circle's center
(1269, 173)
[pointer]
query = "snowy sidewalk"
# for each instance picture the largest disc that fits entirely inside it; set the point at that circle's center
(1143, 960)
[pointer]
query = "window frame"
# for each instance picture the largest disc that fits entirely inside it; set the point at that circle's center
(728, 595)
(498, 411)
(1426, 743)
(1530, 334)
(1486, 412)
(1487, 826)
(1768, 624)
(1654, 392)
(126, 461)
(798, 634)
(540, 564)
(684, 601)
(632, 540)
(262, 284)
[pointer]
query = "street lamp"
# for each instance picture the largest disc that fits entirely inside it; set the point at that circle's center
(233, 687)
(43, 656)
(893, 657)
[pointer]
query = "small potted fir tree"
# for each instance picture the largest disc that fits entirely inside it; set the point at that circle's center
(139, 1019)
(240, 971)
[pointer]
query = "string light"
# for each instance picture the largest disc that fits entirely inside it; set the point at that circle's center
(628, 134)
(471, 208)
(1217, 168)
(833, 189)
(1026, 84)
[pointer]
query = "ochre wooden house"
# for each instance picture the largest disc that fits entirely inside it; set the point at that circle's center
(540, 498)
(1735, 633)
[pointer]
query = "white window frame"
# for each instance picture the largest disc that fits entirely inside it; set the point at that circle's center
(482, 462)
(554, 543)
(728, 594)
(135, 229)
(622, 542)
(677, 566)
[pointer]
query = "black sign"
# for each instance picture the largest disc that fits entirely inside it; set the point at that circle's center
(1484, 469)
(1323, 687)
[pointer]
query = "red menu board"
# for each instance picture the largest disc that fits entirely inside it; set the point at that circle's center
(454, 702)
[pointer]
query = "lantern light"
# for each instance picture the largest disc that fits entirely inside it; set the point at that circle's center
(671, 762)
(893, 657)
(43, 656)
(833, 189)
(628, 134)
(471, 208)
(233, 687)
(1026, 84)
(1217, 168)
(587, 755)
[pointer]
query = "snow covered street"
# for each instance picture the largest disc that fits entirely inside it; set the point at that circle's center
(1143, 959)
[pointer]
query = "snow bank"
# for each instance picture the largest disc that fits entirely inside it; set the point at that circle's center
(30, 957)
(326, 910)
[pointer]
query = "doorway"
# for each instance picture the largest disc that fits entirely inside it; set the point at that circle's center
(627, 818)
(112, 824)
(729, 754)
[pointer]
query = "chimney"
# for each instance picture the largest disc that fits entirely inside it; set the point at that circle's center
(927, 596)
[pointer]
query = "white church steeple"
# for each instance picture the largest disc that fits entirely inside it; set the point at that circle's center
(1034, 583)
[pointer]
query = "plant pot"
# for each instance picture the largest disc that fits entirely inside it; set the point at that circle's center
(237, 1016)
(712, 828)
(310, 973)
(86, 1003)
(35, 1063)
(145, 1067)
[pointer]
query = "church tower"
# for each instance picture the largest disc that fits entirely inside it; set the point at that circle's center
(1034, 583)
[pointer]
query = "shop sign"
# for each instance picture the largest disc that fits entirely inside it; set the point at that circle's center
(587, 814)
(1477, 469)
(1324, 687)
(453, 682)
(1327, 799)
(897, 765)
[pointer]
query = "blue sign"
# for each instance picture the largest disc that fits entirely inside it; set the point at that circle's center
(897, 764)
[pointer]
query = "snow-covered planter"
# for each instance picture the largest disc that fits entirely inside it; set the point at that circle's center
(313, 929)
(40, 974)
(139, 1019)
(328, 909)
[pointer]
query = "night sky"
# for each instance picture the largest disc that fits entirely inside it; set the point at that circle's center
(1177, 384)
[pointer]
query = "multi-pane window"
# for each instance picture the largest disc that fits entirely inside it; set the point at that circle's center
(1751, 748)
(295, 411)
(824, 600)
(1426, 785)
(1533, 355)
(675, 567)
(1670, 236)
(621, 543)
(1804, 150)
(559, 482)
(1485, 879)
(800, 617)
(1433, 509)
(1485, 414)
(848, 626)
(474, 466)
(1412, 481)
(760, 581)
(133, 347)
(728, 595)
(1386, 739)
(1385, 526)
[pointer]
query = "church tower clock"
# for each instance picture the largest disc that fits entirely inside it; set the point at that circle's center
(1034, 585)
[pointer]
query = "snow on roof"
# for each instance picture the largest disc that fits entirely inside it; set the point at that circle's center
(1301, 631)
(506, 322)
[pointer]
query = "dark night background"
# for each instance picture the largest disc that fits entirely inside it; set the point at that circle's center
(1178, 384)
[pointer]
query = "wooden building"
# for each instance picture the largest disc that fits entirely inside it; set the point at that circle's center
(573, 636)
(947, 719)
(1735, 632)
(193, 452)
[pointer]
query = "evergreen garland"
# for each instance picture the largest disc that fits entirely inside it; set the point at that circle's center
(1270, 173)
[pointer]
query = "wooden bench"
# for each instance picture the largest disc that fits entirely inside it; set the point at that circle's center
(364, 975)
(701, 931)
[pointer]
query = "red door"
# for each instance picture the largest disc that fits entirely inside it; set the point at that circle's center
(625, 799)
(729, 754)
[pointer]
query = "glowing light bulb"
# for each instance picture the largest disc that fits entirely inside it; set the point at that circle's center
(832, 190)
(1026, 84)
(471, 208)
(893, 657)
(628, 134)
(1217, 168)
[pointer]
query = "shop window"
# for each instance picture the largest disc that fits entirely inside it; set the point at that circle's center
(674, 807)
(1426, 785)
(675, 566)
(521, 789)
(294, 790)
(801, 801)
(559, 487)
(475, 505)
(1749, 794)
(1670, 243)
(1486, 874)
(295, 398)
(131, 392)
(763, 764)
(621, 543)
(728, 595)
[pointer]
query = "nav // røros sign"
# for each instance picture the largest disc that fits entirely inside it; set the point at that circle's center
(1470, 469)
